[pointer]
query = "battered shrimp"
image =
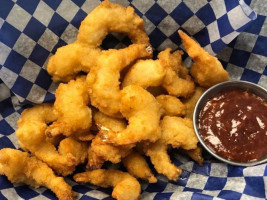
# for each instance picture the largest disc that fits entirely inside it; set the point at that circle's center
(126, 187)
(161, 160)
(171, 105)
(191, 102)
(137, 166)
(19, 167)
(177, 81)
(206, 69)
(76, 148)
(71, 108)
(142, 111)
(168, 72)
(195, 154)
(81, 55)
(71, 59)
(114, 18)
(31, 137)
(101, 150)
(177, 132)
(103, 79)
(94, 161)
(145, 73)
(109, 152)
(104, 121)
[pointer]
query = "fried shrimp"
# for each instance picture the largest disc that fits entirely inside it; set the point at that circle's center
(161, 160)
(71, 108)
(114, 18)
(195, 154)
(83, 53)
(177, 132)
(101, 150)
(168, 72)
(94, 161)
(171, 105)
(103, 79)
(145, 73)
(103, 121)
(191, 101)
(177, 81)
(206, 69)
(142, 111)
(126, 187)
(71, 59)
(109, 152)
(137, 166)
(19, 167)
(76, 148)
(31, 137)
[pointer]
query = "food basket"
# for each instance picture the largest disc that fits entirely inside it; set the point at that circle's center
(32, 30)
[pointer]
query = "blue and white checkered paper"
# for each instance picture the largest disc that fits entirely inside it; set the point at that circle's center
(32, 30)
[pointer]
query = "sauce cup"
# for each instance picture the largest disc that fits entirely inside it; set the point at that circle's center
(208, 94)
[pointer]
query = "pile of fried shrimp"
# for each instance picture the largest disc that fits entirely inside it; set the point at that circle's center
(116, 105)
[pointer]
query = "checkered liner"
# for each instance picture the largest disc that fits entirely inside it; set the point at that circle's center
(32, 30)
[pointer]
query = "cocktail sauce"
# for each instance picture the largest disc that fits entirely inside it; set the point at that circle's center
(234, 124)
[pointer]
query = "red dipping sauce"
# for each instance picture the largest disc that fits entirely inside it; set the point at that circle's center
(234, 124)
